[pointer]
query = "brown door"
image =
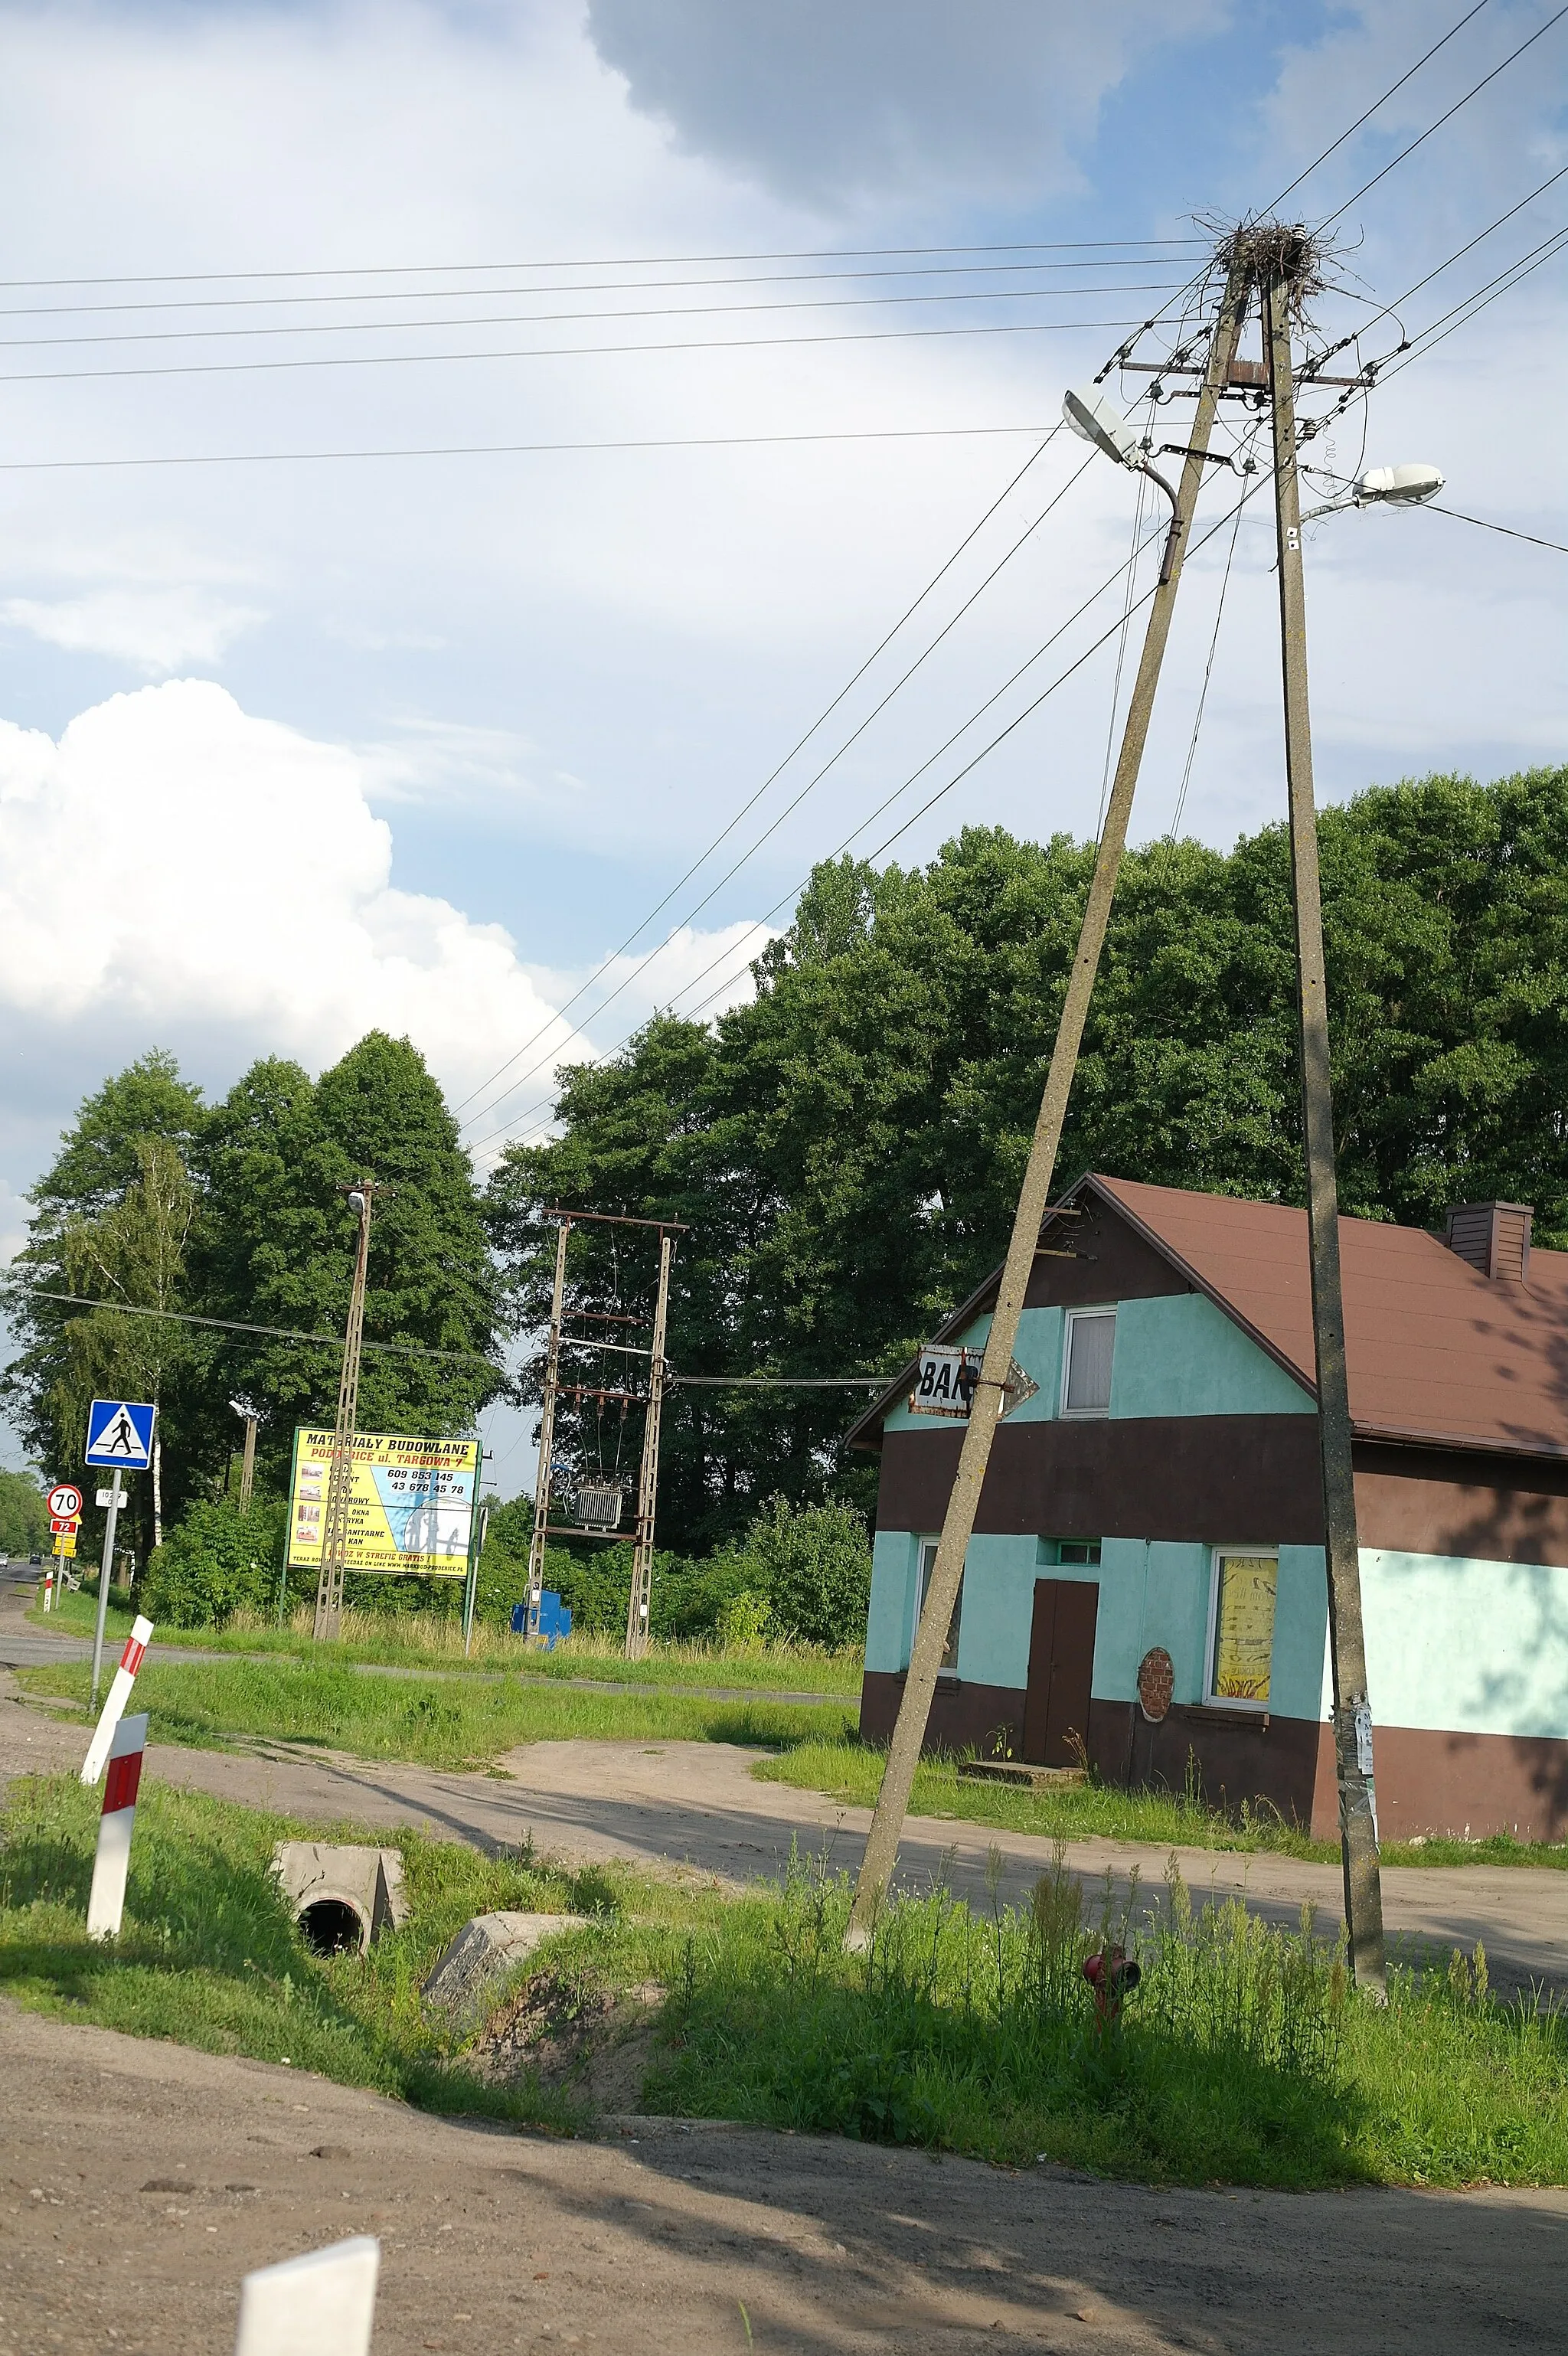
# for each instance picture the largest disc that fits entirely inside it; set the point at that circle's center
(1061, 1669)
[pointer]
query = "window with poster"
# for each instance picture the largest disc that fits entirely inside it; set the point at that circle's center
(1243, 1586)
(927, 1564)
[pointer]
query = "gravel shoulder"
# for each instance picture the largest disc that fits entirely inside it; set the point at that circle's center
(143, 2180)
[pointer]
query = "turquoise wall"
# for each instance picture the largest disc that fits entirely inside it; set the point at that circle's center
(1181, 1355)
(1452, 1644)
(1177, 1355)
(1468, 1646)
(1152, 1591)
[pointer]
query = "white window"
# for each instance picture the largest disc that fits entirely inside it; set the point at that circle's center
(927, 1564)
(1088, 1345)
(1243, 1586)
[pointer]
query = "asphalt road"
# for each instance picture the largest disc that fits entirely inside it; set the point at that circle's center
(139, 2182)
(698, 1805)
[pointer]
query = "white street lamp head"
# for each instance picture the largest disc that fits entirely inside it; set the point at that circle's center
(1094, 418)
(1398, 486)
(357, 1203)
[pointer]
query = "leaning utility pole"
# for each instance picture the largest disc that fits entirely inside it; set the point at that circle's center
(639, 1601)
(1281, 272)
(547, 1435)
(340, 1478)
(958, 1523)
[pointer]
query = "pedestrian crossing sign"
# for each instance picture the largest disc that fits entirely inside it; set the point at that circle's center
(120, 1432)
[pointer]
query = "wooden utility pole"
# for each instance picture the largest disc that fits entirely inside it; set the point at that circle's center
(546, 1435)
(340, 1477)
(639, 1601)
(958, 1524)
(1353, 1712)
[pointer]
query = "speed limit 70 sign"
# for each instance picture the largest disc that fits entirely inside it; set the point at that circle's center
(65, 1503)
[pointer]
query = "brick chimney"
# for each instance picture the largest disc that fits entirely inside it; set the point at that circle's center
(1493, 1237)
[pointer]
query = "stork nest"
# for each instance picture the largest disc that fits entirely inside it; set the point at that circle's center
(1270, 250)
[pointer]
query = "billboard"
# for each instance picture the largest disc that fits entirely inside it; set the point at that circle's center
(412, 1504)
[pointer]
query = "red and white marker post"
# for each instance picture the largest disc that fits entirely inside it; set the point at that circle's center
(98, 1750)
(107, 1903)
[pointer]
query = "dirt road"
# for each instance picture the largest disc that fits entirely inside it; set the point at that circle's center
(697, 1803)
(139, 2182)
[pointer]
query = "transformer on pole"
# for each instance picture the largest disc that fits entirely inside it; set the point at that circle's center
(600, 1503)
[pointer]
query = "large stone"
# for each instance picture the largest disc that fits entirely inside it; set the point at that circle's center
(341, 1897)
(486, 1948)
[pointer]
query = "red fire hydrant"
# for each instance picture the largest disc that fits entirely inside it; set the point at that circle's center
(1113, 1974)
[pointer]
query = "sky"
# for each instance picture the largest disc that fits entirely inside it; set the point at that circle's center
(291, 745)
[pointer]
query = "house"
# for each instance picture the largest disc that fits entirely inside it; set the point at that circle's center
(1154, 1490)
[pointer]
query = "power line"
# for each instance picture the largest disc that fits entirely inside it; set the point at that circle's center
(1366, 117)
(1207, 674)
(1473, 305)
(553, 351)
(813, 782)
(1507, 529)
(785, 1382)
(555, 318)
(515, 449)
(584, 287)
(273, 1333)
(602, 262)
(886, 804)
(544, 1103)
(798, 746)
(1483, 84)
(1391, 309)
(1360, 119)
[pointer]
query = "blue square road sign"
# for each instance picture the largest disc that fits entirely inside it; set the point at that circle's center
(120, 1432)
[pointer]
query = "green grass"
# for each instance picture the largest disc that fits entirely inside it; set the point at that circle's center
(852, 1770)
(449, 1723)
(419, 1640)
(209, 1956)
(1243, 2058)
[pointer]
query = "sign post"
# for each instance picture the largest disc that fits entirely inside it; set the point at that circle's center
(120, 1435)
(116, 1499)
(65, 1520)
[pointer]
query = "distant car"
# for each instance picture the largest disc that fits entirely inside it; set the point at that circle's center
(4, 1558)
(35, 1557)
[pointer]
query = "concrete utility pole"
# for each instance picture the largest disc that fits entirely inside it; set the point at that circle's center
(1353, 1712)
(639, 1602)
(546, 1435)
(340, 1478)
(958, 1524)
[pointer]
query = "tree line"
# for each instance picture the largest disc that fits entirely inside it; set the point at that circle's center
(844, 1149)
(848, 1146)
(237, 1210)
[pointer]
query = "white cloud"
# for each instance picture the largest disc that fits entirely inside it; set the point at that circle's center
(429, 760)
(902, 98)
(175, 864)
(154, 629)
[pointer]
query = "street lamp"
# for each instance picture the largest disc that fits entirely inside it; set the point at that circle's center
(1095, 419)
(1385, 487)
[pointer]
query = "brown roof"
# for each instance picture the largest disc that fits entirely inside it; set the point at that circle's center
(1436, 1351)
